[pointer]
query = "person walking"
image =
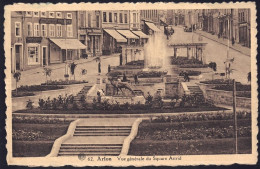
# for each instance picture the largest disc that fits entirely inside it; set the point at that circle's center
(136, 79)
(99, 67)
(108, 69)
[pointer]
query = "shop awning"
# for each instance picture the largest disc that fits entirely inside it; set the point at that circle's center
(115, 35)
(141, 34)
(69, 43)
(152, 26)
(128, 34)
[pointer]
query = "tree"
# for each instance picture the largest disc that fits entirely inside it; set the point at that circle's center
(72, 69)
(47, 72)
(17, 76)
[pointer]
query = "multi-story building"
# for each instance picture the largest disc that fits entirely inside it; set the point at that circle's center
(150, 21)
(90, 32)
(40, 38)
(244, 27)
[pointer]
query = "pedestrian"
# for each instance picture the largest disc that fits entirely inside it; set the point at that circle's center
(108, 69)
(233, 40)
(186, 77)
(124, 78)
(99, 67)
(219, 35)
(136, 79)
(121, 59)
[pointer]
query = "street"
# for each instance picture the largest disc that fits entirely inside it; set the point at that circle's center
(36, 76)
(216, 52)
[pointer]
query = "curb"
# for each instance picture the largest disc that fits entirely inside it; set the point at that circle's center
(128, 139)
(57, 144)
(223, 44)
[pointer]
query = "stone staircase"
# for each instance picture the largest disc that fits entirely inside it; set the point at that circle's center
(83, 91)
(90, 149)
(97, 137)
(195, 90)
(102, 131)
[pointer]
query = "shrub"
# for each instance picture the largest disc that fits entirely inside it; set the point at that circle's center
(115, 74)
(35, 88)
(194, 66)
(219, 81)
(29, 104)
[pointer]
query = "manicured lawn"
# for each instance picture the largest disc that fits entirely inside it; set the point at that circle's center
(189, 147)
(191, 138)
(26, 144)
(140, 111)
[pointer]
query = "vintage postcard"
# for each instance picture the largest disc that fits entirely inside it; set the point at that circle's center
(119, 84)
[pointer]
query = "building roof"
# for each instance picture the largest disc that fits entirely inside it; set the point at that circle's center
(152, 26)
(128, 34)
(115, 35)
(141, 34)
(69, 43)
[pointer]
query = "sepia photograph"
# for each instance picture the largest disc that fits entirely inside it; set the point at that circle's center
(131, 84)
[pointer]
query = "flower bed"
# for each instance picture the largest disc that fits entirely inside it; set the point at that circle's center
(190, 73)
(230, 87)
(185, 61)
(137, 63)
(36, 88)
(64, 82)
(150, 74)
(29, 90)
(219, 81)
(194, 66)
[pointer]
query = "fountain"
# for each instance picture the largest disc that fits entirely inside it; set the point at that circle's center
(155, 52)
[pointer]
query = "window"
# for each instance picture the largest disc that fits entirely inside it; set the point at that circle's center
(104, 17)
(52, 30)
(121, 18)
(44, 30)
(110, 17)
(43, 14)
(89, 20)
(17, 29)
(69, 31)
(81, 19)
(51, 14)
(36, 14)
(115, 17)
(28, 13)
(69, 54)
(29, 29)
(58, 15)
(97, 21)
(126, 18)
(69, 15)
(58, 30)
(33, 55)
(36, 29)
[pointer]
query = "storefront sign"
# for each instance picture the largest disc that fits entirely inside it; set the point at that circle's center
(33, 39)
(55, 21)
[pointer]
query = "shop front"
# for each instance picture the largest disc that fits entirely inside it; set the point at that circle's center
(132, 39)
(112, 42)
(143, 38)
(150, 28)
(62, 50)
(94, 39)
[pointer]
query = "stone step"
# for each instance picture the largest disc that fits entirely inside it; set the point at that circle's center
(101, 134)
(107, 127)
(102, 131)
(90, 150)
(89, 153)
(91, 145)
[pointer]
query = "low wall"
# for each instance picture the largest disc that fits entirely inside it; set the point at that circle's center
(226, 98)
(204, 87)
(19, 103)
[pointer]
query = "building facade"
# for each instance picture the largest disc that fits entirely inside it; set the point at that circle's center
(39, 38)
(90, 32)
(244, 27)
(150, 21)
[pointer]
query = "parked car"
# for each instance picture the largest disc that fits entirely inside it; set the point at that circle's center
(188, 29)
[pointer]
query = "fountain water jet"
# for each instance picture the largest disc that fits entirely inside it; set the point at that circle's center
(155, 52)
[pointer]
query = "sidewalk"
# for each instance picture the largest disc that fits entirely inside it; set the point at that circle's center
(62, 65)
(237, 47)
